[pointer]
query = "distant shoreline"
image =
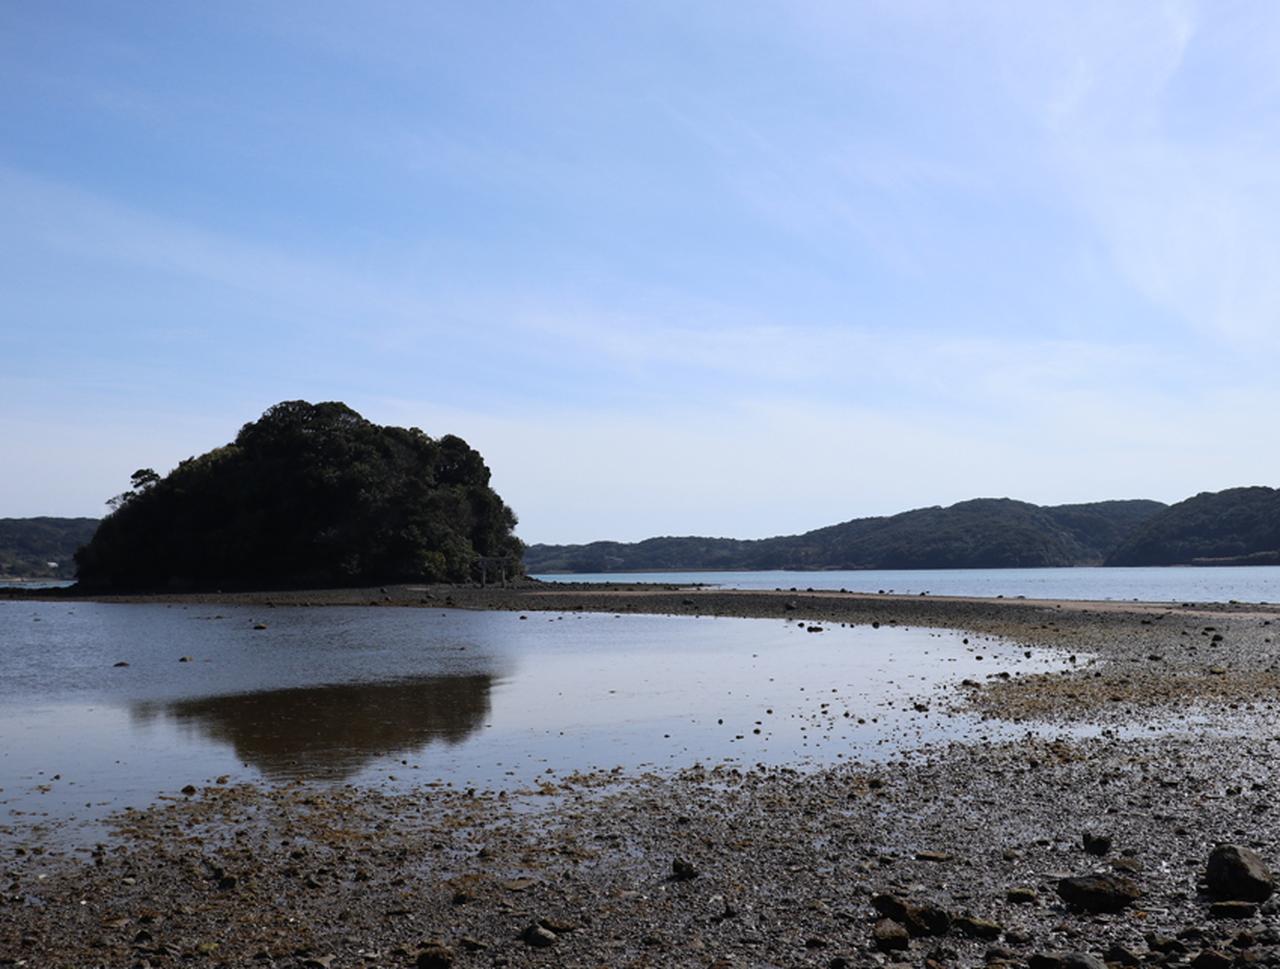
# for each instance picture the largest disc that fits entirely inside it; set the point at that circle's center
(643, 597)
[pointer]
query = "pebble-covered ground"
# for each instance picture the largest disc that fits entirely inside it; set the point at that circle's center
(962, 856)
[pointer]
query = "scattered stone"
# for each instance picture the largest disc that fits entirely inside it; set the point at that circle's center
(1099, 893)
(919, 920)
(976, 928)
(1232, 910)
(1237, 873)
(1165, 944)
(538, 936)
(1212, 959)
(1121, 956)
(889, 936)
(682, 871)
(1065, 960)
(1096, 844)
(434, 955)
(932, 855)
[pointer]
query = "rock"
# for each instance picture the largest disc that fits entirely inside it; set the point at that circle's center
(120, 665)
(189, 790)
(1065, 960)
(538, 936)
(434, 956)
(558, 926)
(1022, 896)
(185, 659)
(976, 928)
(259, 625)
(682, 871)
(1096, 844)
(1212, 959)
(1232, 910)
(1165, 944)
(1236, 873)
(1099, 893)
(889, 936)
(932, 855)
(1121, 956)
(919, 920)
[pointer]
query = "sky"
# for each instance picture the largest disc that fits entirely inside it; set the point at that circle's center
(724, 268)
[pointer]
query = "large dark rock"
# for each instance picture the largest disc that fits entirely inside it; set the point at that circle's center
(889, 936)
(976, 928)
(435, 956)
(918, 919)
(1099, 893)
(1238, 874)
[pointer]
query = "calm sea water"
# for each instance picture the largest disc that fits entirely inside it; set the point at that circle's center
(395, 696)
(1243, 584)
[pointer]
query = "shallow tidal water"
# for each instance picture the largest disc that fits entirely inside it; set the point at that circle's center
(1254, 583)
(399, 697)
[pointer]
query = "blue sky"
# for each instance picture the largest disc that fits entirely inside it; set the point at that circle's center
(719, 268)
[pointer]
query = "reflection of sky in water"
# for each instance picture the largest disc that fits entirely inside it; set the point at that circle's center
(394, 697)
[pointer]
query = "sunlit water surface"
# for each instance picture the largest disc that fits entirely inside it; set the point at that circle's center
(1259, 583)
(395, 697)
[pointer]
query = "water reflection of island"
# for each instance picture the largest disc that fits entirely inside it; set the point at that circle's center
(332, 731)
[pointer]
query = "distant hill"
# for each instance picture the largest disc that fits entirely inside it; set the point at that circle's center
(28, 546)
(1239, 526)
(982, 533)
(309, 495)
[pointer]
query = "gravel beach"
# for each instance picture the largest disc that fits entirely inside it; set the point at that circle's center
(1087, 841)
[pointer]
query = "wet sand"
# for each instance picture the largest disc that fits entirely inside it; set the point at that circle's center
(737, 867)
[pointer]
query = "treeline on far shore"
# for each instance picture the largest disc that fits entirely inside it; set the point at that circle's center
(1239, 526)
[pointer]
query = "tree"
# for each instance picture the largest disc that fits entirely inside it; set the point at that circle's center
(309, 494)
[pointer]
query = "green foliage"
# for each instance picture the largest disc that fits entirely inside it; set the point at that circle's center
(1239, 526)
(309, 495)
(28, 545)
(983, 533)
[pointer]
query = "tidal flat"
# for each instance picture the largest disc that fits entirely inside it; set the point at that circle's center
(1148, 740)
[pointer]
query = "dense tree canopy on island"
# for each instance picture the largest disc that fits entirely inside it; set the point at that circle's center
(308, 495)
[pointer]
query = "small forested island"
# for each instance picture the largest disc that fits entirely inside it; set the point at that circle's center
(310, 495)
